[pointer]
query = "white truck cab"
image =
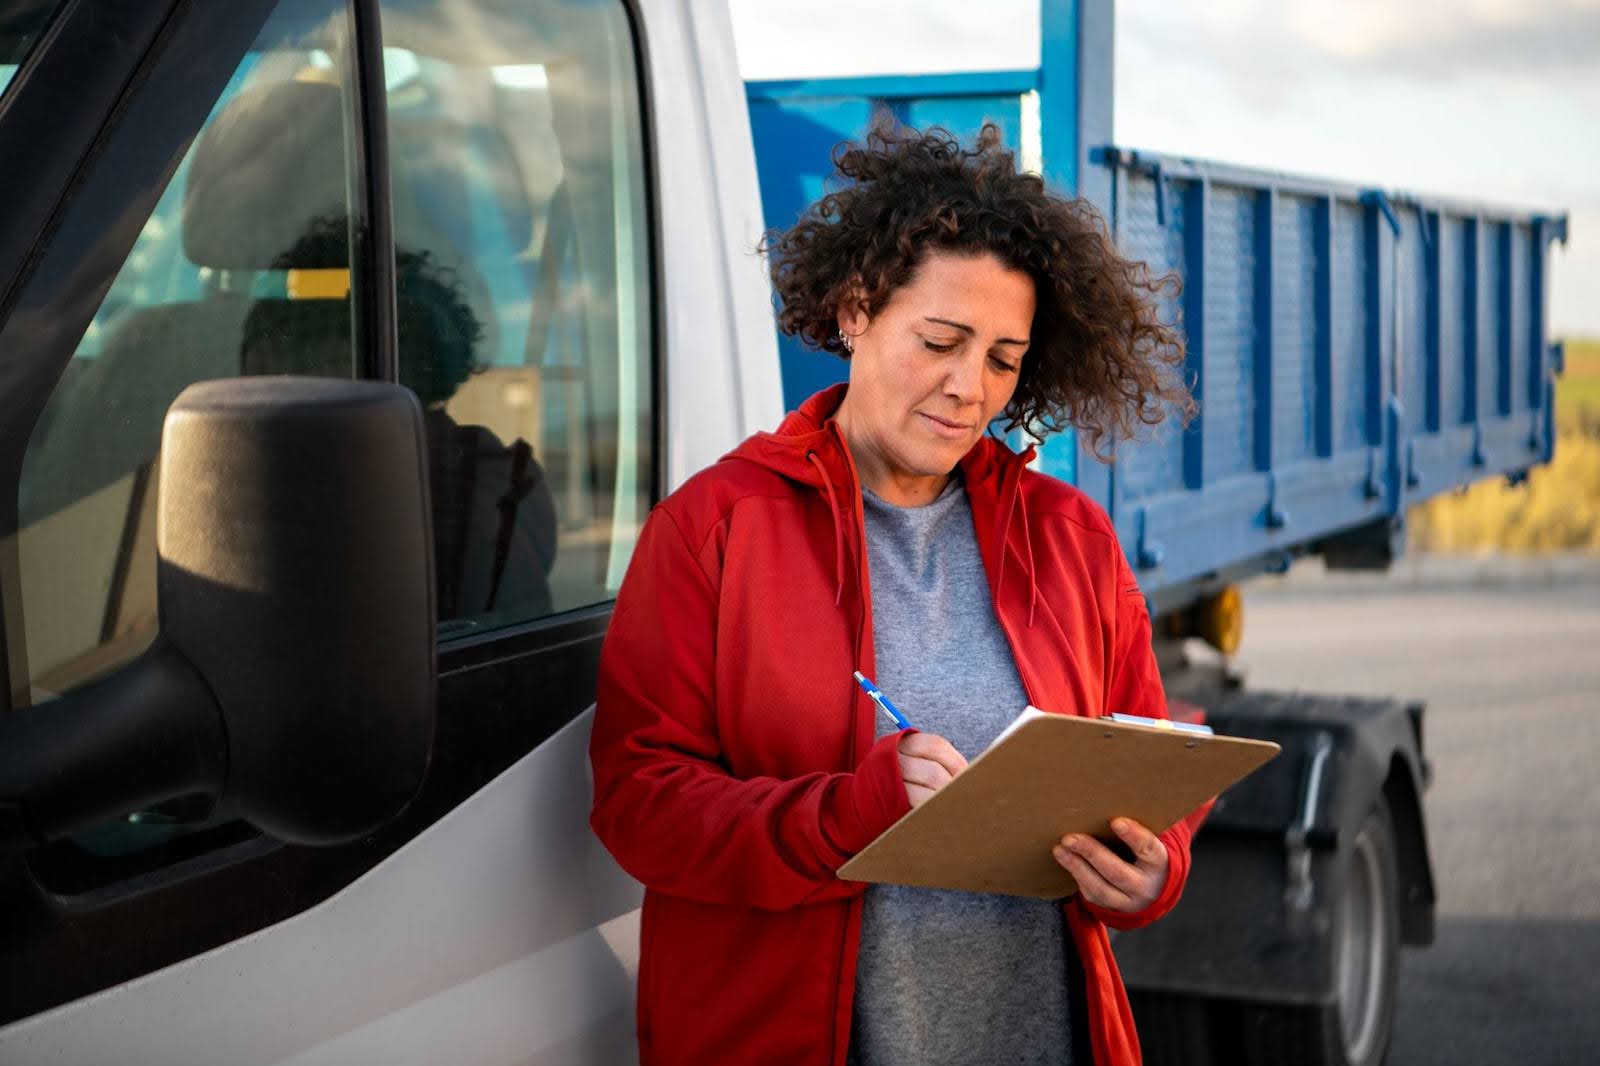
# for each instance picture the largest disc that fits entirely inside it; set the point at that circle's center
(541, 217)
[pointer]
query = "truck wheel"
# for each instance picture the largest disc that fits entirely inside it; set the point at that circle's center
(1354, 1030)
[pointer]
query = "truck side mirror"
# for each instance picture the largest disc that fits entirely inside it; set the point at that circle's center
(293, 677)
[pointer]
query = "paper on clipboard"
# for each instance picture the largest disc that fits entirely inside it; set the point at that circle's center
(1028, 715)
(992, 827)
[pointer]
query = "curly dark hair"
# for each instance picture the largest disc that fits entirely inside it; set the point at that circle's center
(1100, 358)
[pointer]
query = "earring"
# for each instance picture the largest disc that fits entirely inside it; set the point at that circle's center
(849, 345)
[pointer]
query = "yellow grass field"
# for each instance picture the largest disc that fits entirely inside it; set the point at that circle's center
(1557, 508)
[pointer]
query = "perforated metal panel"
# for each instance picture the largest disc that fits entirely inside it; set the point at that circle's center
(1295, 326)
(1229, 396)
(1452, 331)
(1412, 328)
(1525, 386)
(1350, 326)
(1152, 232)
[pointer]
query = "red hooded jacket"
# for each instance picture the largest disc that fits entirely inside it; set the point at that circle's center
(734, 757)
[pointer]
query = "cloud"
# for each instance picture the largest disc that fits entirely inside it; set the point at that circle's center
(828, 38)
(1493, 100)
(1550, 43)
(1260, 43)
(1264, 46)
(1450, 34)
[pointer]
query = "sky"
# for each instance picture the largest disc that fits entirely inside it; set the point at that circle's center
(1490, 100)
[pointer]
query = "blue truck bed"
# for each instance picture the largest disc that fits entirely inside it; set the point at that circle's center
(1353, 351)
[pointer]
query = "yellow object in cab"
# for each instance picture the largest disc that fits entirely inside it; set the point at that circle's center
(327, 284)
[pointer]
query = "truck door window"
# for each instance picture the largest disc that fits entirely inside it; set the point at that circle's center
(242, 268)
(522, 248)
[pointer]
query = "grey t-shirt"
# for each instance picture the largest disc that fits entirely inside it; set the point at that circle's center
(950, 977)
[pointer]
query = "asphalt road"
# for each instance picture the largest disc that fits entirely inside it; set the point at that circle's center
(1511, 675)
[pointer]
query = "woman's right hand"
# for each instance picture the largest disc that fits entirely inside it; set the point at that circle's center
(927, 763)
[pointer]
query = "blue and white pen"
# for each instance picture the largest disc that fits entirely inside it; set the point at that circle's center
(900, 720)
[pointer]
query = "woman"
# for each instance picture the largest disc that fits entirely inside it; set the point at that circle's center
(737, 765)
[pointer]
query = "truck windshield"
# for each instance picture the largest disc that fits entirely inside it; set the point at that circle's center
(22, 22)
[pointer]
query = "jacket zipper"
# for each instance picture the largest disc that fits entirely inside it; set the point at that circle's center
(863, 613)
(999, 612)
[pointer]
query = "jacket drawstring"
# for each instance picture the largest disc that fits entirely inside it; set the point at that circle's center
(1003, 523)
(1015, 494)
(838, 531)
(1027, 549)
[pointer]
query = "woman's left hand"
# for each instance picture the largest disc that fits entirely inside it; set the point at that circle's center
(1105, 879)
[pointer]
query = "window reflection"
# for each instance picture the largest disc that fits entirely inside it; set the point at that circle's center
(204, 293)
(517, 173)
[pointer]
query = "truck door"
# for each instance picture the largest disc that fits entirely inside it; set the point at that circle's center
(453, 195)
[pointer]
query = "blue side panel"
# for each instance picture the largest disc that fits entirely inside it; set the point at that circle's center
(1230, 341)
(1523, 387)
(1452, 334)
(965, 115)
(1414, 288)
(1338, 337)
(1494, 353)
(1296, 268)
(1475, 387)
(1152, 232)
(1350, 269)
(794, 141)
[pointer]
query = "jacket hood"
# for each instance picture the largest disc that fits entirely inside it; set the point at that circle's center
(809, 448)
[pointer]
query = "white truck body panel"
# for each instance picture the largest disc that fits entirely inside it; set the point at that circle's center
(722, 371)
(503, 933)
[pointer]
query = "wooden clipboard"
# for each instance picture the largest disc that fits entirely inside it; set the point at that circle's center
(992, 827)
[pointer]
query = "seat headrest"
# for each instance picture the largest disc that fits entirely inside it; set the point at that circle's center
(267, 169)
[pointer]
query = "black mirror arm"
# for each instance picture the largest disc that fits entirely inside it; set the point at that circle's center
(150, 732)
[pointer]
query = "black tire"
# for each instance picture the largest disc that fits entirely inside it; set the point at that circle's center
(1356, 1029)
